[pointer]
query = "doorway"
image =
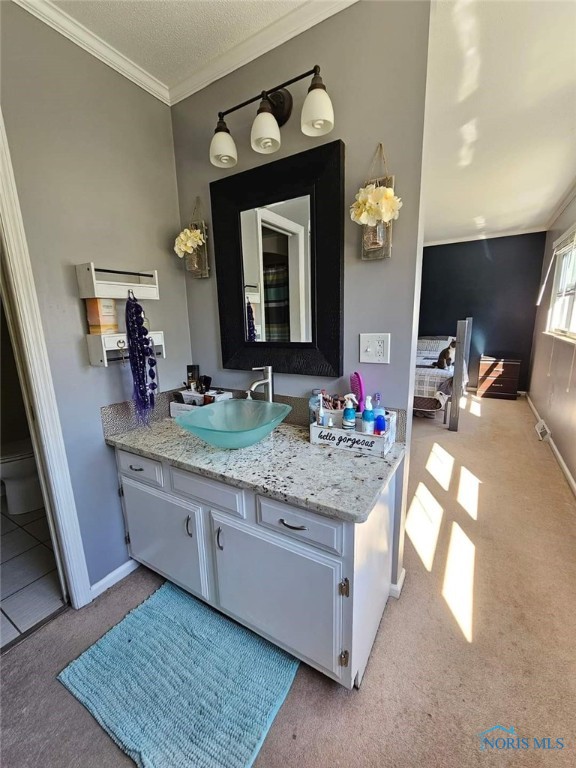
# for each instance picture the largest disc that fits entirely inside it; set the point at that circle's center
(32, 588)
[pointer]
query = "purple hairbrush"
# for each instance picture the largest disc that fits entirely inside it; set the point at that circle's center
(357, 387)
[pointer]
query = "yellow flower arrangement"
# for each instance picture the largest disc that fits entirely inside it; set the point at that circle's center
(373, 204)
(187, 242)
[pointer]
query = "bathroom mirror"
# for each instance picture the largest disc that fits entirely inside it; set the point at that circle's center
(277, 273)
(278, 245)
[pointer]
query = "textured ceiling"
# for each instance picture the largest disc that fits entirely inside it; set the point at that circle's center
(501, 116)
(173, 39)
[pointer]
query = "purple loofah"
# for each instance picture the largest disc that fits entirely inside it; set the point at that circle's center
(141, 353)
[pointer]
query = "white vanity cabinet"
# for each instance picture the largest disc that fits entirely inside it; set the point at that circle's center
(314, 585)
(281, 589)
(166, 535)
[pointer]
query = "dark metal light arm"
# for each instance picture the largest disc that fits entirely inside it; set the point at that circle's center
(263, 94)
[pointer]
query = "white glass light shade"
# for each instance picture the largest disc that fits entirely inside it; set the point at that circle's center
(223, 152)
(265, 134)
(317, 113)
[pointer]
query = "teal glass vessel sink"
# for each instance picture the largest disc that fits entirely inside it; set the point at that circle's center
(234, 423)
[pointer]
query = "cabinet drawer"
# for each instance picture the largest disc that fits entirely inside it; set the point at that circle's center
(497, 386)
(208, 491)
(140, 468)
(491, 366)
(305, 526)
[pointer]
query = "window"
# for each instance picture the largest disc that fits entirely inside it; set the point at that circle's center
(562, 315)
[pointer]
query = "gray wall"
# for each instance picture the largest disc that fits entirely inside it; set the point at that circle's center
(94, 164)
(373, 58)
(548, 392)
(95, 170)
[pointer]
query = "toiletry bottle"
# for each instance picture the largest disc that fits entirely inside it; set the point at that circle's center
(379, 425)
(368, 417)
(349, 412)
(321, 416)
(379, 410)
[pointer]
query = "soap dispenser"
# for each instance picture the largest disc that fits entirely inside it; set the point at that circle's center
(368, 417)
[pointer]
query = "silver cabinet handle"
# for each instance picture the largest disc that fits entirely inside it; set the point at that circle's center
(136, 469)
(292, 527)
(188, 526)
(218, 534)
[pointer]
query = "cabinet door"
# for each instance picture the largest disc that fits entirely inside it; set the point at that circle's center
(279, 588)
(165, 535)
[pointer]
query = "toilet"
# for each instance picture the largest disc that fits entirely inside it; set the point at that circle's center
(20, 477)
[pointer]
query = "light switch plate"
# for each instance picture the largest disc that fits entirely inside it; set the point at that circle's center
(374, 347)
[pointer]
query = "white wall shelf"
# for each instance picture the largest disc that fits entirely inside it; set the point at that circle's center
(108, 347)
(99, 283)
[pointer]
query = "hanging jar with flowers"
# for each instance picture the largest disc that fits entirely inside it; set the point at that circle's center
(190, 245)
(375, 207)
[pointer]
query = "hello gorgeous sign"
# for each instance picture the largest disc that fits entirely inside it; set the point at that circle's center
(350, 440)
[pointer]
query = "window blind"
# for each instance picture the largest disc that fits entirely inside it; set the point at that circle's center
(562, 317)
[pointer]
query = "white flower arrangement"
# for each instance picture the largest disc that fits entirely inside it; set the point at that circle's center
(188, 241)
(374, 204)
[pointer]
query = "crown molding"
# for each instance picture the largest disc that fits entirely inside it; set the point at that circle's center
(294, 23)
(484, 236)
(54, 17)
(562, 205)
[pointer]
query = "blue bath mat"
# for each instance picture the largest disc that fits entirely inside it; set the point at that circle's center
(177, 685)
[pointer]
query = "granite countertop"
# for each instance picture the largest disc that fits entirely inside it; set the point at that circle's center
(284, 466)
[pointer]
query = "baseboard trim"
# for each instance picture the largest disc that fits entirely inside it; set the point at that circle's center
(563, 466)
(113, 578)
(557, 455)
(396, 589)
(532, 407)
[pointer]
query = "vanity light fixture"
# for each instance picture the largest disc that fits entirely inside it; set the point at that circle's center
(275, 108)
(265, 133)
(222, 148)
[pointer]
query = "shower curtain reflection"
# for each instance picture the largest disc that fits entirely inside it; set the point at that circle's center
(276, 300)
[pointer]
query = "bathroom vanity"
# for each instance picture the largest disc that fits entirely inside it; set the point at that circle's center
(290, 539)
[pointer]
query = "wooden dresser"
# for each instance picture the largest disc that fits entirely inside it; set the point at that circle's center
(498, 377)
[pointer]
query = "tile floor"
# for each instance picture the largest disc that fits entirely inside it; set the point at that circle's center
(30, 590)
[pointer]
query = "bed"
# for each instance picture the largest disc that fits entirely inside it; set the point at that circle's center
(435, 388)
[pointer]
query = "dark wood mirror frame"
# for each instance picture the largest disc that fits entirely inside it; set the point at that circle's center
(320, 174)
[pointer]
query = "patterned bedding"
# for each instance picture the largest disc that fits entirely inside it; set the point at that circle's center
(434, 382)
(428, 380)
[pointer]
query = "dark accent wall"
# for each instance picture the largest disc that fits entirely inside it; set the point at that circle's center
(496, 282)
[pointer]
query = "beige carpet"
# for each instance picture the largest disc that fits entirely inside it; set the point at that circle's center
(427, 691)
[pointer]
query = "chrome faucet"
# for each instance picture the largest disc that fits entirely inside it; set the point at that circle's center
(266, 381)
